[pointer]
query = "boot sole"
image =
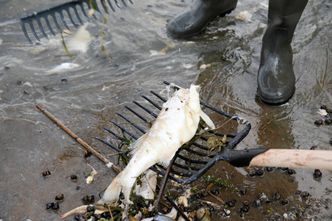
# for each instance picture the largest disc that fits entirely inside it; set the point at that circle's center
(274, 101)
(202, 30)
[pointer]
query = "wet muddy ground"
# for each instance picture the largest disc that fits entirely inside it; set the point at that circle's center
(136, 57)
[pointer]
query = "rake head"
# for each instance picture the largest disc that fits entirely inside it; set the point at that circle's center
(197, 156)
(66, 16)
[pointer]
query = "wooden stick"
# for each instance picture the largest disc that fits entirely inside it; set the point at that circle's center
(315, 159)
(86, 146)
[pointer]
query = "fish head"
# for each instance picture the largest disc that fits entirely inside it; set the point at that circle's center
(194, 97)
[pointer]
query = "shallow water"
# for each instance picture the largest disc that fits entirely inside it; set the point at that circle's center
(137, 57)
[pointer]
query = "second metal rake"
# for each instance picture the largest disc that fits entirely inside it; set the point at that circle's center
(69, 15)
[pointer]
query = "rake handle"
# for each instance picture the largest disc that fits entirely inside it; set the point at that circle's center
(314, 159)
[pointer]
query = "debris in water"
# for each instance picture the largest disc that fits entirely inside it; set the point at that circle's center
(322, 112)
(318, 122)
(80, 41)
(73, 178)
(46, 173)
(244, 16)
(90, 178)
(203, 214)
(317, 174)
(52, 206)
(156, 53)
(231, 203)
(59, 197)
(204, 66)
(63, 67)
(187, 66)
(88, 199)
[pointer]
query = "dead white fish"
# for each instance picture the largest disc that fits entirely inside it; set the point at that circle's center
(80, 41)
(63, 67)
(175, 125)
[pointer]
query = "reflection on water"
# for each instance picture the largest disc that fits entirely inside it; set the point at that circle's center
(130, 55)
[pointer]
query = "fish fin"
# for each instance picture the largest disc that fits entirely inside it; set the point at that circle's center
(77, 210)
(113, 191)
(207, 120)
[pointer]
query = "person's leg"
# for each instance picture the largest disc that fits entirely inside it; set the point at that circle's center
(276, 79)
(200, 14)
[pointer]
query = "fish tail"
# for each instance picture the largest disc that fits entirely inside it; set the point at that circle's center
(77, 210)
(113, 191)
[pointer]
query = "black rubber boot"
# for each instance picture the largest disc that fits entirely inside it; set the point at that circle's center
(194, 21)
(276, 79)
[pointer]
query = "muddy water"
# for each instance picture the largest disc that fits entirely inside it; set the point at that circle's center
(136, 56)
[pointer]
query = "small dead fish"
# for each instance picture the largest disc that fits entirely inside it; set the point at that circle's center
(63, 67)
(80, 40)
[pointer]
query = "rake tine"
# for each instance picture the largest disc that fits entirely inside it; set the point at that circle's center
(124, 130)
(83, 10)
(41, 27)
(77, 15)
(215, 110)
(158, 96)
(117, 4)
(200, 146)
(25, 32)
(49, 26)
(190, 160)
(131, 123)
(144, 108)
(124, 3)
(108, 144)
(93, 4)
(34, 31)
(131, 1)
(111, 5)
(71, 18)
(151, 102)
(185, 167)
(195, 152)
(56, 22)
(103, 3)
(137, 114)
(114, 134)
(63, 20)
(183, 174)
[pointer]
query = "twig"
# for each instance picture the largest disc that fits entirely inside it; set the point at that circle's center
(216, 197)
(86, 146)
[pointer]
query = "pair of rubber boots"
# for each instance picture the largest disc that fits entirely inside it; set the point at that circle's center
(276, 79)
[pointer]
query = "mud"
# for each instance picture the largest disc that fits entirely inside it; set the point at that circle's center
(134, 55)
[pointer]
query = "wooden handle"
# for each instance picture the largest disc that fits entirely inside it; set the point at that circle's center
(314, 159)
(84, 144)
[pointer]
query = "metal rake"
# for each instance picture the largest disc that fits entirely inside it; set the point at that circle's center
(193, 160)
(69, 15)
